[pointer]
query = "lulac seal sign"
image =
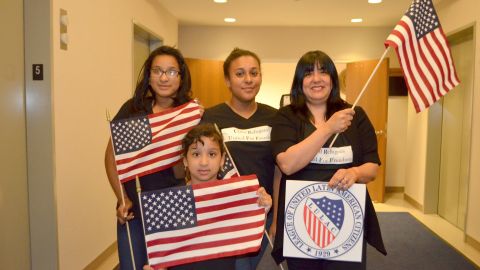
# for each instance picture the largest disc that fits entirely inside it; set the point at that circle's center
(323, 223)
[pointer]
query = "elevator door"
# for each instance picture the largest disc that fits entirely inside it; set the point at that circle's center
(456, 134)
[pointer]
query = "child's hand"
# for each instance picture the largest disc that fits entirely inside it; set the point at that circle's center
(264, 199)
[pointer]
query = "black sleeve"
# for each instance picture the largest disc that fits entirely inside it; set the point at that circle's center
(367, 138)
(125, 111)
(285, 129)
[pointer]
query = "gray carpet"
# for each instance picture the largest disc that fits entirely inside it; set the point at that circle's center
(410, 245)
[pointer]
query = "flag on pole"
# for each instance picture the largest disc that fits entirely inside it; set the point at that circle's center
(424, 54)
(203, 221)
(228, 169)
(151, 143)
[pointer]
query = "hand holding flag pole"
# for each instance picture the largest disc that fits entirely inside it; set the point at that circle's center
(424, 55)
(363, 89)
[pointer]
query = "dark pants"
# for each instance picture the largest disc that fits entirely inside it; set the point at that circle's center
(138, 245)
(250, 261)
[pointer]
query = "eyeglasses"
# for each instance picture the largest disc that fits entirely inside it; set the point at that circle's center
(158, 72)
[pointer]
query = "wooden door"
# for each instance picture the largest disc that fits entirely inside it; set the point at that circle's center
(375, 103)
(208, 84)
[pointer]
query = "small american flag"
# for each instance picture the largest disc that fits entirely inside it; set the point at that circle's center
(203, 221)
(151, 143)
(424, 54)
(228, 169)
(323, 219)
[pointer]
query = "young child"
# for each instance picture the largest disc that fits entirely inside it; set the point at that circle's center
(203, 156)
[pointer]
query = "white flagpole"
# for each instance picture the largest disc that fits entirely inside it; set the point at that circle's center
(233, 163)
(123, 199)
(139, 190)
(364, 88)
(226, 149)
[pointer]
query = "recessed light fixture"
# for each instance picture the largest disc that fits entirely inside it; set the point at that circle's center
(230, 20)
(374, 1)
(220, 1)
(356, 20)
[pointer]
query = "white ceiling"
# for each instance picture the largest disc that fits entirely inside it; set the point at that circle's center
(288, 12)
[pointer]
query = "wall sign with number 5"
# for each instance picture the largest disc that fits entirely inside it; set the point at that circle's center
(37, 72)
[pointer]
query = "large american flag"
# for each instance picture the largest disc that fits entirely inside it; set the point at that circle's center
(424, 54)
(323, 219)
(204, 221)
(147, 144)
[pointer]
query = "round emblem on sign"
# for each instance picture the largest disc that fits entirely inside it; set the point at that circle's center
(322, 222)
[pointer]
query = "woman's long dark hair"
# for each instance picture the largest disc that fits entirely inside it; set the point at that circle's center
(305, 65)
(143, 90)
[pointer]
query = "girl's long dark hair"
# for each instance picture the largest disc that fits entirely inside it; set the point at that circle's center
(143, 91)
(305, 65)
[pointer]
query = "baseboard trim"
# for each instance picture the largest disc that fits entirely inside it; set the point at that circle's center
(413, 202)
(394, 189)
(472, 242)
(109, 251)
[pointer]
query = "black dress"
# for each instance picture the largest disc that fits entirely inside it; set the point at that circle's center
(288, 129)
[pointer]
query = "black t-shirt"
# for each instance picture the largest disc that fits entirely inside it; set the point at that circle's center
(154, 181)
(247, 140)
(288, 129)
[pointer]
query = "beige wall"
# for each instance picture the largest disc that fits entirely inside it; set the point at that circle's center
(14, 233)
(283, 44)
(470, 15)
(397, 134)
(93, 75)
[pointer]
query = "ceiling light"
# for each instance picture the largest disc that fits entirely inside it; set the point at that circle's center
(230, 20)
(356, 20)
(374, 1)
(220, 1)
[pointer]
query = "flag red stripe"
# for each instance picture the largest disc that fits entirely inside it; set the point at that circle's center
(205, 257)
(408, 71)
(223, 206)
(156, 121)
(173, 134)
(226, 193)
(444, 55)
(144, 154)
(231, 216)
(169, 110)
(415, 51)
(439, 79)
(149, 162)
(213, 231)
(219, 244)
(176, 123)
(146, 172)
(434, 91)
(426, 62)
(405, 63)
(221, 183)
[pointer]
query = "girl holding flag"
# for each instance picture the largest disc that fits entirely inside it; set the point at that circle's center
(165, 83)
